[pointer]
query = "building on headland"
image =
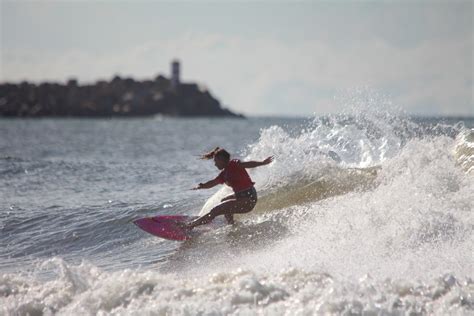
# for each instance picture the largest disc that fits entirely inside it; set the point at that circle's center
(175, 69)
(117, 97)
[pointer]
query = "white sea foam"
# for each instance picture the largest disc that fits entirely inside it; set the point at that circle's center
(86, 290)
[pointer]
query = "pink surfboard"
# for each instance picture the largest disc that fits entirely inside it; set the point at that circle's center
(165, 226)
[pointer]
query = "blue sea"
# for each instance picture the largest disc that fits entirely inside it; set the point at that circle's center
(361, 213)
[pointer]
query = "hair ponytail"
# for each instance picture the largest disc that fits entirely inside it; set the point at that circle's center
(216, 152)
(211, 154)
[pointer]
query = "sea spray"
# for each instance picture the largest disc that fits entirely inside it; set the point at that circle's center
(409, 214)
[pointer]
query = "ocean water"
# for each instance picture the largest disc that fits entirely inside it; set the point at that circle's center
(359, 214)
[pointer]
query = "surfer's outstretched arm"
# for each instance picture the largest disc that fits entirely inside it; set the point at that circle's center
(207, 185)
(253, 164)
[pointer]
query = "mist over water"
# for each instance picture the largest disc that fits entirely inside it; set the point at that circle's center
(358, 213)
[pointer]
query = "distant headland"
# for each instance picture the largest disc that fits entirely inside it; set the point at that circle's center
(122, 97)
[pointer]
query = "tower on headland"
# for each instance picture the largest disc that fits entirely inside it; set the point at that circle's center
(175, 69)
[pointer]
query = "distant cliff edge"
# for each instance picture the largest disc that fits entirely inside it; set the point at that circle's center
(118, 97)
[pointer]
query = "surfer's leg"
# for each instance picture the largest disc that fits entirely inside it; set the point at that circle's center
(228, 207)
(229, 217)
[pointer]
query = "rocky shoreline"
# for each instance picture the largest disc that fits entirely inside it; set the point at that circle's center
(120, 97)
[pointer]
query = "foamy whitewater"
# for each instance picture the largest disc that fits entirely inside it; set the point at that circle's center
(359, 214)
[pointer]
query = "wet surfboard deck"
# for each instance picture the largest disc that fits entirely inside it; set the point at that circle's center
(165, 226)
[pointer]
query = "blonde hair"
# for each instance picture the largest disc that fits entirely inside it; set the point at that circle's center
(220, 152)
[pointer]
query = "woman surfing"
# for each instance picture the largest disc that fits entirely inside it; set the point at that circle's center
(234, 175)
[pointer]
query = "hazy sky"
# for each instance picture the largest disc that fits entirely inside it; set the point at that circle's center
(267, 57)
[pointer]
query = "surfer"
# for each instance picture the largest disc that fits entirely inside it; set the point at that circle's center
(233, 173)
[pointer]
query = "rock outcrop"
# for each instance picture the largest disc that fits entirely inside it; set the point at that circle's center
(118, 97)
